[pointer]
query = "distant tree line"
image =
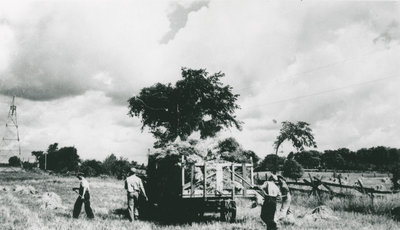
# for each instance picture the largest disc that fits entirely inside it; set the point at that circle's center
(112, 166)
(66, 159)
(366, 159)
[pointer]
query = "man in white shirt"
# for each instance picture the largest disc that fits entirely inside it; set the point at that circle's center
(84, 197)
(271, 193)
(134, 187)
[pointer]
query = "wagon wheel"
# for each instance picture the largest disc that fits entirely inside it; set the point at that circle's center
(228, 211)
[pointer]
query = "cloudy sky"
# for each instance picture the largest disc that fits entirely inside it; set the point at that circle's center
(74, 64)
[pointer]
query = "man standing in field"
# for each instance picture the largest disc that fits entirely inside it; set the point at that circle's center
(271, 193)
(134, 187)
(285, 210)
(84, 197)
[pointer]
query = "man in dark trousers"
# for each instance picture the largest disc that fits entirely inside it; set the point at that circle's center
(271, 193)
(84, 197)
(134, 187)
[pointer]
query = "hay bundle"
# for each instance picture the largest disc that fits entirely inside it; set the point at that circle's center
(25, 189)
(320, 212)
(5, 188)
(4, 214)
(51, 200)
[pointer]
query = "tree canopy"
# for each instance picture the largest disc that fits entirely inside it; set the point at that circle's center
(292, 169)
(300, 134)
(60, 160)
(229, 149)
(198, 102)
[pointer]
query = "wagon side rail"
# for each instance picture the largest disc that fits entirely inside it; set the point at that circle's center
(189, 189)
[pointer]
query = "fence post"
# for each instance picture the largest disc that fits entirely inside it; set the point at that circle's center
(204, 181)
(183, 173)
(233, 180)
(192, 170)
(244, 178)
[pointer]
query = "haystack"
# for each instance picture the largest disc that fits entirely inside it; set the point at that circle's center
(51, 200)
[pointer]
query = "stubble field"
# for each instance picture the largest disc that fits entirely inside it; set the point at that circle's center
(23, 203)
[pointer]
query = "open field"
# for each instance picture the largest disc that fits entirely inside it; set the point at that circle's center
(24, 209)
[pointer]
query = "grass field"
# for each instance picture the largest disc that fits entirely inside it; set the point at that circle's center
(22, 209)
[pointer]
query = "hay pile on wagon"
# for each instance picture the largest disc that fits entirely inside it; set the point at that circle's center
(164, 170)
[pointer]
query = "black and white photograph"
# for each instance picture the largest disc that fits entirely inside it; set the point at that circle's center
(199, 114)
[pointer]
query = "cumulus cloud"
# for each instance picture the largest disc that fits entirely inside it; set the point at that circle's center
(64, 54)
(179, 15)
(67, 48)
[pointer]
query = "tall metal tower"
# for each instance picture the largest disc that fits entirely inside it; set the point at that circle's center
(10, 145)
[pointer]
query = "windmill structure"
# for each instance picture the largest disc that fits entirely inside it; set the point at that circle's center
(10, 143)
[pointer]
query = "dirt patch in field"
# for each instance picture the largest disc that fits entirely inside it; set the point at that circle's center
(51, 200)
(321, 212)
(25, 189)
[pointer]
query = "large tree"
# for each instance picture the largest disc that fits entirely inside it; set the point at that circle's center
(62, 160)
(300, 134)
(198, 102)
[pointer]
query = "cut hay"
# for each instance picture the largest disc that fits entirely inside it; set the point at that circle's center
(51, 200)
(25, 189)
(4, 214)
(5, 188)
(321, 212)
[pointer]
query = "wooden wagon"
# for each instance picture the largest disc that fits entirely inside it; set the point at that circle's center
(187, 190)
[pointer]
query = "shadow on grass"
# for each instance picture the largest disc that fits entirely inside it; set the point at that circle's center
(121, 212)
(64, 215)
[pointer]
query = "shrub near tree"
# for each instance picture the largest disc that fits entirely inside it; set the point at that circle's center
(14, 161)
(91, 168)
(117, 167)
(271, 162)
(229, 149)
(39, 155)
(292, 169)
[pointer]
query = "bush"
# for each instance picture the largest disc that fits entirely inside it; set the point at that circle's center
(271, 162)
(92, 168)
(116, 167)
(121, 168)
(29, 165)
(14, 161)
(292, 169)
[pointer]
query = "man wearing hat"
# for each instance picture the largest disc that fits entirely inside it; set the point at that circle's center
(285, 211)
(134, 187)
(271, 194)
(84, 197)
